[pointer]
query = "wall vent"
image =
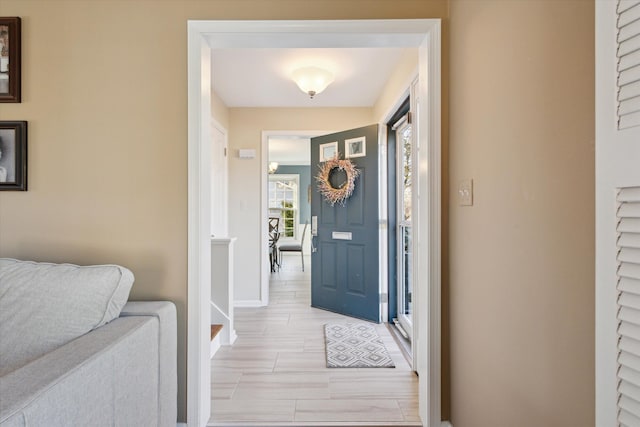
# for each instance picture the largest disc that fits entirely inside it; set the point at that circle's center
(628, 54)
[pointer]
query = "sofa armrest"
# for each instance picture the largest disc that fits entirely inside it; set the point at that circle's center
(165, 312)
(129, 362)
(104, 375)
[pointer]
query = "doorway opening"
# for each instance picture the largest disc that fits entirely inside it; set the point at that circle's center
(290, 149)
(288, 193)
(202, 37)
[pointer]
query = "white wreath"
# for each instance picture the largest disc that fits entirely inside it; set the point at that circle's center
(337, 195)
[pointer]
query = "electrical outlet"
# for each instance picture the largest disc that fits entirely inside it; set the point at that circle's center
(465, 192)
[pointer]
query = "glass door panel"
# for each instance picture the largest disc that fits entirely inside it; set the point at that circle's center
(404, 237)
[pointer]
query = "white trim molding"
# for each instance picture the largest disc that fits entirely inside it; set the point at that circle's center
(199, 227)
(428, 350)
(215, 346)
(248, 303)
(203, 36)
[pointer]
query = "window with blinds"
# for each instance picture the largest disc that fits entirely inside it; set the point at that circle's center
(628, 229)
(628, 53)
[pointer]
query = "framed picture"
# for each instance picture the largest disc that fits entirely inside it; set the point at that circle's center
(13, 156)
(355, 147)
(328, 151)
(10, 59)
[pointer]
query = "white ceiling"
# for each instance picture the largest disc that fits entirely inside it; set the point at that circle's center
(290, 150)
(261, 77)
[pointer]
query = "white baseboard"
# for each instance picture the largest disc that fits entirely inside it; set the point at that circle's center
(248, 303)
(446, 424)
(181, 425)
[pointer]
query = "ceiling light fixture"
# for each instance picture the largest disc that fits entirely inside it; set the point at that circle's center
(312, 80)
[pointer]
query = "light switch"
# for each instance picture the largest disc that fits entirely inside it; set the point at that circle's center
(465, 192)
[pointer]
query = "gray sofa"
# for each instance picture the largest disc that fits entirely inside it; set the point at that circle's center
(72, 353)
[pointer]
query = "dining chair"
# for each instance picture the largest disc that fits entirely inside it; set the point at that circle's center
(274, 235)
(273, 251)
(274, 224)
(294, 247)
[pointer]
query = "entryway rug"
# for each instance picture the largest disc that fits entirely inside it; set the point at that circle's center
(355, 345)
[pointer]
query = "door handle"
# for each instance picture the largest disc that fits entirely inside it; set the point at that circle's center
(314, 225)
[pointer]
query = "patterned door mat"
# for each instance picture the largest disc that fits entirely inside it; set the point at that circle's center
(355, 345)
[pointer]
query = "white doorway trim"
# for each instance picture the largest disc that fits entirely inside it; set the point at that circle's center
(220, 195)
(205, 35)
(198, 388)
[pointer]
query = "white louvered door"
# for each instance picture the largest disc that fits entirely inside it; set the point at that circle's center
(628, 25)
(628, 243)
(617, 296)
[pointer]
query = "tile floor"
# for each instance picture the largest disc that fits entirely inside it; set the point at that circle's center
(275, 373)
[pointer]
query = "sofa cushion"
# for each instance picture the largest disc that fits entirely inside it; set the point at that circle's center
(44, 305)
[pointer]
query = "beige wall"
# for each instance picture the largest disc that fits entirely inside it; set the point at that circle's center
(219, 111)
(522, 258)
(105, 94)
(400, 80)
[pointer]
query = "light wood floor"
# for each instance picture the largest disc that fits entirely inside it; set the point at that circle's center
(275, 373)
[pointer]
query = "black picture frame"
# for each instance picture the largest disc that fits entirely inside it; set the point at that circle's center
(10, 59)
(13, 155)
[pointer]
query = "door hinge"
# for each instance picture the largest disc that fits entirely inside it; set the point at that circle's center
(225, 151)
(384, 297)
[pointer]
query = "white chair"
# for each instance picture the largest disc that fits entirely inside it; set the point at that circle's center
(294, 247)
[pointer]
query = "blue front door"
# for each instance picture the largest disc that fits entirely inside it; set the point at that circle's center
(345, 261)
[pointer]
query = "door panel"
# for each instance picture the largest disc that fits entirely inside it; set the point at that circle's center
(328, 274)
(355, 266)
(345, 273)
(405, 166)
(328, 216)
(356, 205)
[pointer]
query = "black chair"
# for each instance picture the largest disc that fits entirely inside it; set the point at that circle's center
(274, 235)
(274, 225)
(294, 247)
(273, 251)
